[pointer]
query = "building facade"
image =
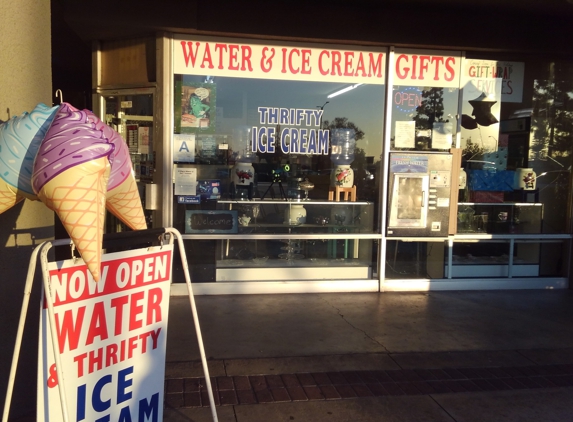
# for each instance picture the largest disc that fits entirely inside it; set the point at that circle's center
(449, 132)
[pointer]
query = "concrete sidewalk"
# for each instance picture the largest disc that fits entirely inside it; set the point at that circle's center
(437, 356)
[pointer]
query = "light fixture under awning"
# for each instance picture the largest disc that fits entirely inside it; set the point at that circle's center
(343, 90)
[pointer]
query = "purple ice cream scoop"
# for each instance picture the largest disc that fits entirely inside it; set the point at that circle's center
(119, 158)
(72, 139)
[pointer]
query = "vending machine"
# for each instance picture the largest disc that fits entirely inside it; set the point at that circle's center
(420, 192)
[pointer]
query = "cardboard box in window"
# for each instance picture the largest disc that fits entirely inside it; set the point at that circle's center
(486, 196)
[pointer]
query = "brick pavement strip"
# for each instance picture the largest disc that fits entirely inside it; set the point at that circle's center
(280, 394)
(297, 393)
(329, 392)
(253, 389)
(274, 381)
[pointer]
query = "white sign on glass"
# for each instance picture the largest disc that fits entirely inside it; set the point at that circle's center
(405, 134)
(185, 181)
(184, 148)
(442, 136)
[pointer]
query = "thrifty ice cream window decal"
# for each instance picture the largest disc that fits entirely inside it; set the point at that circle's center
(305, 137)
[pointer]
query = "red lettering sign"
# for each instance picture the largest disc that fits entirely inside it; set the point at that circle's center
(221, 58)
(425, 69)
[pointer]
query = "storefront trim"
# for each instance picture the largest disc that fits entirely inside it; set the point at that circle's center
(282, 236)
(421, 285)
(277, 287)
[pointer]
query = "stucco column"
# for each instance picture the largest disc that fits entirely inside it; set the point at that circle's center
(25, 80)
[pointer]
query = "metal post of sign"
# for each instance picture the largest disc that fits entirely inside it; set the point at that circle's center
(52, 321)
(43, 250)
(196, 320)
(20, 332)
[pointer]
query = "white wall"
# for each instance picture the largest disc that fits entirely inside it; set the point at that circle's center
(25, 80)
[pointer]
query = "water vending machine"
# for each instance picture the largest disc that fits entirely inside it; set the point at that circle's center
(420, 194)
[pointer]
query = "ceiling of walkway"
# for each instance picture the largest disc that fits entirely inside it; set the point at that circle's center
(521, 26)
(440, 22)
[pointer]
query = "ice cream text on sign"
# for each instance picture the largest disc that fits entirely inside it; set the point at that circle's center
(286, 60)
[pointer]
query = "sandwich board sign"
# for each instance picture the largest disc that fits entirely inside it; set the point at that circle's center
(111, 338)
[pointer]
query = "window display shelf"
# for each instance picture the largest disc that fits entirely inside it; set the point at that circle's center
(496, 256)
(499, 218)
(252, 228)
(283, 240)
(291, 202)
(491, 266)
(293, 269)
(477, 256)
(300, 216)
(299, 262)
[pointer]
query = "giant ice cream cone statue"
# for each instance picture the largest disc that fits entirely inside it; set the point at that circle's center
(77, 166)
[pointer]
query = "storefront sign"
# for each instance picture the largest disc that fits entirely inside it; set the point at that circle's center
(481, 109)
(309, 140)
(407, 99)
(111, 337)
(426, 68)
(211, 222)
(201, 56)
(510, 73)
(408, 163)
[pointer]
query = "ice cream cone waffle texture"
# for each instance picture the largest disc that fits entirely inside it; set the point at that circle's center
(8, 196)
(124, 202)
(77, 196)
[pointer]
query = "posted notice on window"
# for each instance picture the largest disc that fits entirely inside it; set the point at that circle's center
(185, 180)
(442, 135)
(184, 148)
(405, 134)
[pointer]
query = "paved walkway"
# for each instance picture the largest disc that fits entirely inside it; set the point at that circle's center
(254, 389)
(448, 356)
(436, 356)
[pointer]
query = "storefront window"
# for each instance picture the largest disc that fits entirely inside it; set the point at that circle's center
(415, 259)
(278, 163)
(509, 124)
(244, 109)
(523, 155)
(551, 144)
(425, 99)
(423, 118)
(259, 150)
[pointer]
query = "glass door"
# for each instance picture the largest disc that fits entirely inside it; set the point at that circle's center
(130, 113)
